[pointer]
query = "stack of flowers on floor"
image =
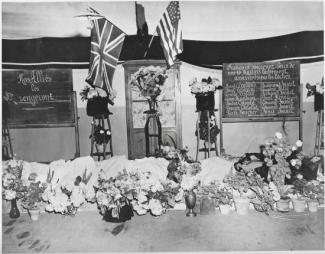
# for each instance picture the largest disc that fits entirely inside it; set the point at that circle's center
(66, 198)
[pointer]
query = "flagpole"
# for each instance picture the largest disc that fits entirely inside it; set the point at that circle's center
(145, 54)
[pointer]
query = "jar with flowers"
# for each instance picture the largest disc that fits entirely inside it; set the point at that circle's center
(314, 192)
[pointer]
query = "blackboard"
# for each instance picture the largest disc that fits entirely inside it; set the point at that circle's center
(39, 97)
(261, 90)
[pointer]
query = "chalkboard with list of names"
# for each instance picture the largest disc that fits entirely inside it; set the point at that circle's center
(261, 90)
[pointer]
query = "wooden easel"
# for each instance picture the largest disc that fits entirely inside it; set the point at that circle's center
(319, 139)
(100, 120)
(7, 151)
(205, 149)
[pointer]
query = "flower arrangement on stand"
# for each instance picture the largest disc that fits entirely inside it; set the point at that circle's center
(97, 100)
(206, 123)
(149, 81)
(204, 92)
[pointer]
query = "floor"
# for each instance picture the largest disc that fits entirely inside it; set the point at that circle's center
(87, 232)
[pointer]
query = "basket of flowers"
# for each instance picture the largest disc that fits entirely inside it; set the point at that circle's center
(97, 101)
(204, 92)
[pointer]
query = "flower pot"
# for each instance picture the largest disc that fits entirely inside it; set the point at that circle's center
(34, 214)
(97, 106)
(205, 101)
(190, 200)
(283, 205)
(14, 212)
(299, 205)
(242, 205)
(224, 209)
(207, 206)
(312, 205)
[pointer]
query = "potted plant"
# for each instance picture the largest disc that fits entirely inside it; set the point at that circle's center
(313, 191)
(298, 198)
(204, 92)
(279, 158)
(224, 199)
(97, 101)
(33, 199)
(239, 183)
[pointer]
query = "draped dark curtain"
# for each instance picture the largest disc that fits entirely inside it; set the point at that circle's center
(307, 46)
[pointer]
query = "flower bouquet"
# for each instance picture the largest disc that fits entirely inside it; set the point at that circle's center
(149, 81)
(204, 92)
(97, 101)
(33, 198)
(318, 92)
(101, 137)
(113, 196)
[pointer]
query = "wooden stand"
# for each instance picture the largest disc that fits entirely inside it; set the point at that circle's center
(319, 139)
(205, 149)
(152, 130)
(7, 151)
(100, 120)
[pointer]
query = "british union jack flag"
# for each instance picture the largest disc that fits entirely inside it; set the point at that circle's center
(106, 44)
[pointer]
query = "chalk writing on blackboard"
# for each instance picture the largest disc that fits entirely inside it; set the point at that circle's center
(39, 96)
(261, 90)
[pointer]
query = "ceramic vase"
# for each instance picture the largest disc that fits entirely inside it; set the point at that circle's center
(283, 205)
(242, 205)
(224, 209)
(14, 212)
(34, 214)
(190, 200)
(312, 205)
(299, 205)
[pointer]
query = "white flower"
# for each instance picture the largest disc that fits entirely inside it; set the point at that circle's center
(10, 194)
(294, 148)
(166, 149)
(179, 196)
(299, 143)
(101, 131)
(157, 187)
(278, 135)
(108, 132)
(188, 182)
(276, 196)
(299, 176)
(49, 208)
(293, 162)
(142, 197)
(155, 207)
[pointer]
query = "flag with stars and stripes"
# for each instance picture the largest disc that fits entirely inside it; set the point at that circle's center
(170, 32)
(106, 45)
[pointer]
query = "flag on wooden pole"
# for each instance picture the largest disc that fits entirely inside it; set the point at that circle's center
(106, 45)
(142, 27)
(170, 32)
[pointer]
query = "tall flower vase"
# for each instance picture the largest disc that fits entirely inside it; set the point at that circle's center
(14, 212)
(190, 200)
(152, 106)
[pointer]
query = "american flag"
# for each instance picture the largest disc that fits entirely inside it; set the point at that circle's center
(170, 32)
(106, 44)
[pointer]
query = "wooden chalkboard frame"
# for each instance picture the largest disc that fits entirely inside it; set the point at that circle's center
(264, 118)
(74, 124)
